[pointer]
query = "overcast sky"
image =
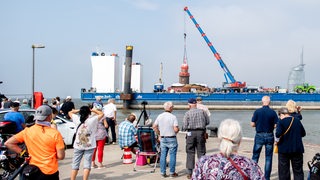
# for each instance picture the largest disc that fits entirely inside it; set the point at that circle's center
(259, 41)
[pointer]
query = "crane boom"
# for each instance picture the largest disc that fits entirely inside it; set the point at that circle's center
(227, 73)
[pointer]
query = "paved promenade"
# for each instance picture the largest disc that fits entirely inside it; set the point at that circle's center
(116, 170)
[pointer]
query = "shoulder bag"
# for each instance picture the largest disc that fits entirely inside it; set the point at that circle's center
(275, 150)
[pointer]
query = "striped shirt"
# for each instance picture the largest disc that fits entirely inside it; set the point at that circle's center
(195, 119)
(126, 134)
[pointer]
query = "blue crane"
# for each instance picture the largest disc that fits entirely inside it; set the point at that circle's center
(231, 84)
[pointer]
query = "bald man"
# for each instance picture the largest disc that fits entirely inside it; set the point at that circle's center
(264, 120)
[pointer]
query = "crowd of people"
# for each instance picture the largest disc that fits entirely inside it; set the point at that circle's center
(94, 120)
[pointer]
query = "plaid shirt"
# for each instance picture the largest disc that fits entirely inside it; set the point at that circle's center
(195, 119)
(126, 134)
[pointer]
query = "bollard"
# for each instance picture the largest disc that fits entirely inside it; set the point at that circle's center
(127, 156)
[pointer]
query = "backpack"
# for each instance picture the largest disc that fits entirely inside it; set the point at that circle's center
(314, 167)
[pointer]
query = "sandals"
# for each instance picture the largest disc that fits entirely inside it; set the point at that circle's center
(93, 166)
(100, 166)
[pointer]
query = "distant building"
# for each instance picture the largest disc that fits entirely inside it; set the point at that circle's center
(105, 72)
(296, 75)
(136, 77)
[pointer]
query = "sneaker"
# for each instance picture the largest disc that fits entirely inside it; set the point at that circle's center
(93, 166)
(173, 175)
(114, 143)
(164, 175)
(189, 176)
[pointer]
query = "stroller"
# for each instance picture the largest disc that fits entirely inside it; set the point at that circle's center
(314, 167)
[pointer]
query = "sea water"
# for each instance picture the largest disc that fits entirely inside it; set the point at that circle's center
(310, 121)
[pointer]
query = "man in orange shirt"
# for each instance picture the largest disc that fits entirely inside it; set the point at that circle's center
(45, 145)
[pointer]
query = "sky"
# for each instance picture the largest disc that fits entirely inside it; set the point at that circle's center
(259, 41)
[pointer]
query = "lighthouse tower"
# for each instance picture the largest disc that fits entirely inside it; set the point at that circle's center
(184, 74)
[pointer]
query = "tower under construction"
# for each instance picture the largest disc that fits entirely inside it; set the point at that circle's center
(184, 74)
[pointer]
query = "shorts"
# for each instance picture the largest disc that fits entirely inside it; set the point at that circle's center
(77, 156)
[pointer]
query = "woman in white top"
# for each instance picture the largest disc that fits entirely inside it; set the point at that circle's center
(85, 141)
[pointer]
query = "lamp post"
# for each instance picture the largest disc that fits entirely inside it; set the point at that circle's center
(34, 46)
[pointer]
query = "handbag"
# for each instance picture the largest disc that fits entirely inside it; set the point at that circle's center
(275, 149)
(206, 136)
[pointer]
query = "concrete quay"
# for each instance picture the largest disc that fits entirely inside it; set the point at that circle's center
(116, 170)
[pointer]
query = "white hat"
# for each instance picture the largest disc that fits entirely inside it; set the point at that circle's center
(68, 97)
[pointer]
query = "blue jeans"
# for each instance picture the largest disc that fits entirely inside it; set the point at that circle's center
(168, 145)
(267, 140)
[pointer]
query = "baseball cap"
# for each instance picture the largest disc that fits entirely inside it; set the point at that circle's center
(15, 104)
(42, 112)
(199, 99)
(192, 101)
(68, 97)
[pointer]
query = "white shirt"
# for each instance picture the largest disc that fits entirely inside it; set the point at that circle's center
(166, 121)
(109, 110)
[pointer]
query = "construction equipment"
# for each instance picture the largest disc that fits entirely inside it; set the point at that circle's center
(231, 85)
(305, 88)
(159, 87)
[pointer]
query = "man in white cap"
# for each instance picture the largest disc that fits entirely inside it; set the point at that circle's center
(66, 107)
(45, 145)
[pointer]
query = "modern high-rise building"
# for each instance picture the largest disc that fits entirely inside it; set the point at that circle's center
(296, 75)
(136, 77)
(105, 72)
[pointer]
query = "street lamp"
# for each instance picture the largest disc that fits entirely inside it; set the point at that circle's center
(34, 46)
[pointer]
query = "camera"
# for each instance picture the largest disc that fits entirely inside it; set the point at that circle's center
(144, 103)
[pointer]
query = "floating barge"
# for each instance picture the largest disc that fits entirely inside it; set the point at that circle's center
(208, 97)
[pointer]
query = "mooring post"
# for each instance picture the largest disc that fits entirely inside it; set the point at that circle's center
(126, 96)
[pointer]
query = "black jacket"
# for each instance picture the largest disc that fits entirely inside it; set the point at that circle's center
(291, 142)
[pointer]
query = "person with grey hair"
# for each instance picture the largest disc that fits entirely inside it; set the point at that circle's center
(166, 125)
(110, 112)
(45, 145)
(290, 132)
(227, 164)
(25, 104)
(264, 120)
(98, 101)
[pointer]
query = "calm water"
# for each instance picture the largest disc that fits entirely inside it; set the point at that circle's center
(310, 121)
